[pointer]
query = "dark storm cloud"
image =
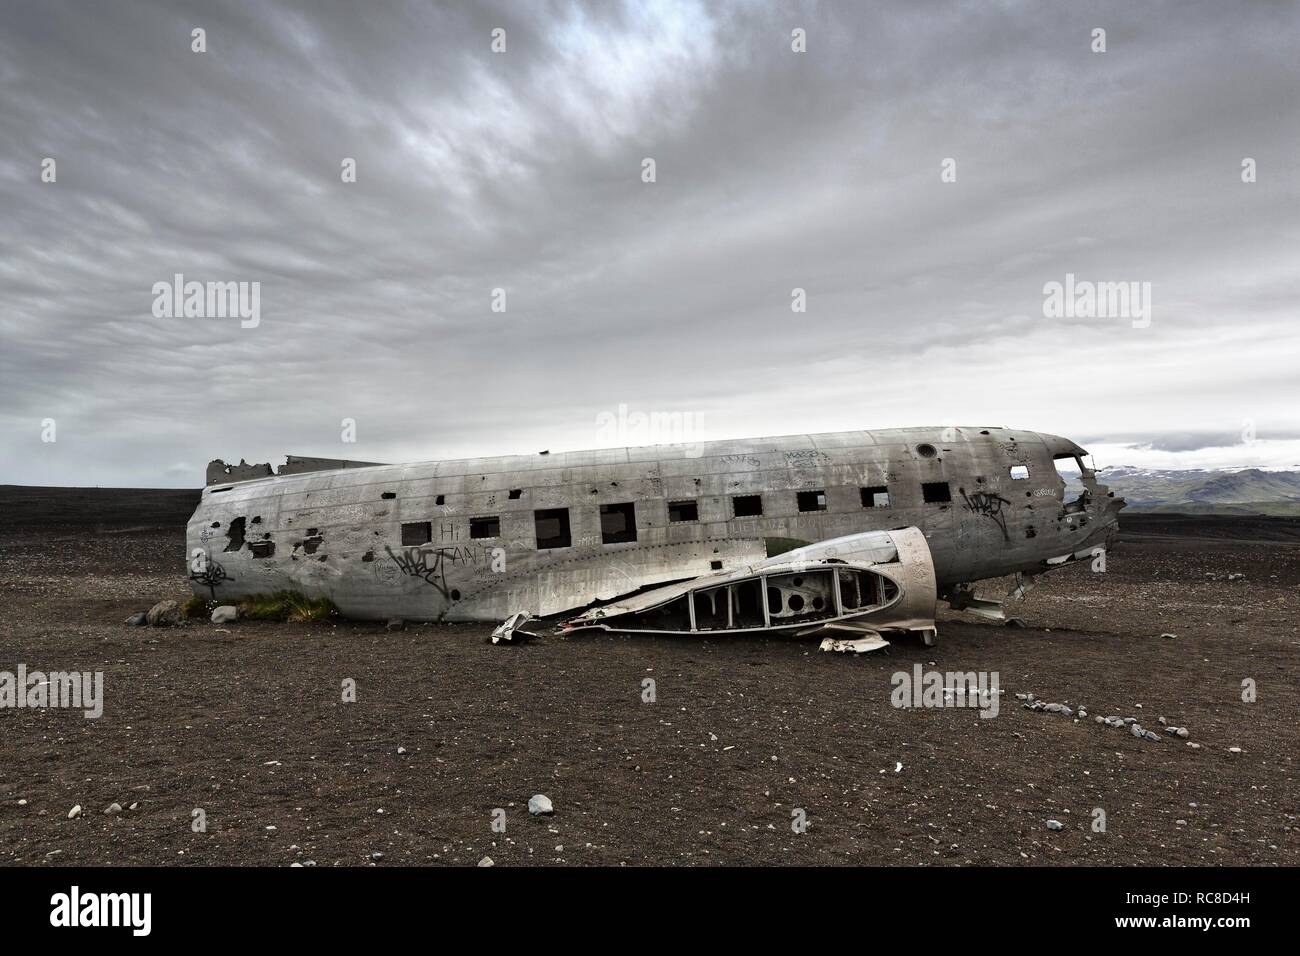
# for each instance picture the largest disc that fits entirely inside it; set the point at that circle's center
(521, 171)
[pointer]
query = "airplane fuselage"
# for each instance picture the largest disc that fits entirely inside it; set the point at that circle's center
(480, 539)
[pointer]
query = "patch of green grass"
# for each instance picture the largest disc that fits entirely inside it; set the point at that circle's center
(287, 606)
(195, 606)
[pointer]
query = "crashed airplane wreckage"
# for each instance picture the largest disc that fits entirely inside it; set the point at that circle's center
(848, 535)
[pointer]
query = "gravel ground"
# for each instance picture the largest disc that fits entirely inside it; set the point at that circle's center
(246, 722)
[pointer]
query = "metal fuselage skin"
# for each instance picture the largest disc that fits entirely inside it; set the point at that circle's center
(471, 526)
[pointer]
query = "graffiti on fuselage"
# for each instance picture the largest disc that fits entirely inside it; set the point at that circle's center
(422, 563)
(990, 505)
(430, 564)
(211, 577)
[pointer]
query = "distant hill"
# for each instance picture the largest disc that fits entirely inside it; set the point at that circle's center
(27, 508)
(1250, 491)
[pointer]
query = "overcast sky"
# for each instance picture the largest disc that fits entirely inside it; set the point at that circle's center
(522, 170)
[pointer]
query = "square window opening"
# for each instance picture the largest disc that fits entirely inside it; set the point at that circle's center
(617, 523)
(747, 506)
(552, 527)
(935, 492)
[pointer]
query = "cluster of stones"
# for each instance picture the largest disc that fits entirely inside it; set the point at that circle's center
(1230, 576)
(1033, 703)
(1030, 702)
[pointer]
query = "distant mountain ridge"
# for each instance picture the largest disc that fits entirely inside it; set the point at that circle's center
(1201, 491)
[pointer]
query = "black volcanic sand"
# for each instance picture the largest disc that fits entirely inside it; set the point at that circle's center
(246, 722)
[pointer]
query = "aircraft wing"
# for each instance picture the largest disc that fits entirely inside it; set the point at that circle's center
(856, 584)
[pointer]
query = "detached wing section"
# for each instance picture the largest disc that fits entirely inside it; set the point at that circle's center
(858, 584)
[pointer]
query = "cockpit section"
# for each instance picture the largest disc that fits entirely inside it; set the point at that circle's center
(1075, 470)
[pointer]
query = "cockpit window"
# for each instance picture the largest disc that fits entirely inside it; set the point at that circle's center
(1072, 469)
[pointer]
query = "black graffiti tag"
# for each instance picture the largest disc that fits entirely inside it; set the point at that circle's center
(990, 505)
(211, 577)
(415, 563)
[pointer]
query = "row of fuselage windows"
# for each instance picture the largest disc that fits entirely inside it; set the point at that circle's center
(618, 521)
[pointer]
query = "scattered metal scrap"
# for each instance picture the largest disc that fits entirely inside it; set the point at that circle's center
(511, 630)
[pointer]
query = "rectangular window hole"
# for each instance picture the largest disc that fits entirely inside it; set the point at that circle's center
(617, 523)
(812, 500)
(415, 533)
(875, 496)
(489, 527)
(552, 527)
(935, 492)
(683, 511)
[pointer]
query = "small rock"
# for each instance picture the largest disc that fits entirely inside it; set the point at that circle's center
(74, 812)
(112, 808)
(1055, 825)
(1136, 730)
(1169, 637)
(376, 856)
(1099, 719)
(401, 750)
(395, 624)
(1234, 750)
(1151, 735)
(1082, 712)
(137, 620)
(486, 861)
(225, 614)
(133, 806)
(1182, 732)
(1162, 720)
(164, 614)
(1194, 746)
(540, 805)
